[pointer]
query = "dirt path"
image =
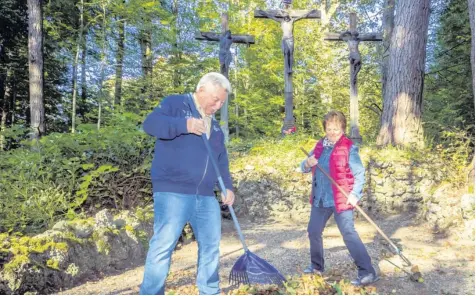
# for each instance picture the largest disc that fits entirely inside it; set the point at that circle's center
(446, 261)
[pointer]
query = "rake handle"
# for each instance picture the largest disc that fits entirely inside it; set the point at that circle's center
(356, 206)
(217, 171)
(223, 190)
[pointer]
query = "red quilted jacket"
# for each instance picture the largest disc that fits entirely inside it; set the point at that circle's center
(339, 171)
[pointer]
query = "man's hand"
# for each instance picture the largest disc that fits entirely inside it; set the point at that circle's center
(229, 198)
(310, 162)
(196, 126)
(352, 199)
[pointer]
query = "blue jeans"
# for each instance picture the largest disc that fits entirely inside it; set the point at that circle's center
(171, 212)
(345, 223)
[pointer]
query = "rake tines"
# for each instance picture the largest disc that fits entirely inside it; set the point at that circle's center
(251, 269)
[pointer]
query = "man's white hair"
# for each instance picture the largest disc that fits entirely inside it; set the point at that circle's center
(216, 79)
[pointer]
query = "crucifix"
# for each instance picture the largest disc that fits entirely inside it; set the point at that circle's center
(226, 39)
(286, 17)
(353, 38)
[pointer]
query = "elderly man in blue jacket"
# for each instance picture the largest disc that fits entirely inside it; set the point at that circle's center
(183, 180)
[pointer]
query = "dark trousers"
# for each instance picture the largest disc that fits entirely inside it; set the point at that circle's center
(345, 223)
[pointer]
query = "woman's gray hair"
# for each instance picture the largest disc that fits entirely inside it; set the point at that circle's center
(216, 79)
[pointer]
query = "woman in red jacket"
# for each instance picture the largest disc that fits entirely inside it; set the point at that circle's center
(339, 157)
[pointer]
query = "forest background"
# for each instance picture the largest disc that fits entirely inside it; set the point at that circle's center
(71, 106)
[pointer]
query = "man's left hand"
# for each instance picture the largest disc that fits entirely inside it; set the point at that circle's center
(352, 200)
(229, 198)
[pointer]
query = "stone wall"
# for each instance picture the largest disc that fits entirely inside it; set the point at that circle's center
(72, 252)
(392, 187)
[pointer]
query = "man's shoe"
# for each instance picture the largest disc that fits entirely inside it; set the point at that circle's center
(365, 280)
(312, 270)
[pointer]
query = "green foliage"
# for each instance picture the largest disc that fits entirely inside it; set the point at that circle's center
(66, 173)
(449, 98)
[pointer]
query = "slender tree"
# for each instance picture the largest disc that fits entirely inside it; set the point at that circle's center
(35, 58)
(471, 22)
(388, 23)
(103, 55)
(82, 105)
(75, 65)
(5, 93)
(119, 62)
(401, 119)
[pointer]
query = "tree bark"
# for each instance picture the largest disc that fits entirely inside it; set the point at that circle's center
(75, 68)
(388, 24)
(176, 51)
(145, 41)
(471, 21)
(401, 119)
(224, 69)
(4, 99)
(235, 89)
(103, 67)
(119, 64)
(35, 58)
(82, 106)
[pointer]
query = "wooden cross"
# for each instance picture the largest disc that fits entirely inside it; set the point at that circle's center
(225, 39)
(353, 38)
(286, 18)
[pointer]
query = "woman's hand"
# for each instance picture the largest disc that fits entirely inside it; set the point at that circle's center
(352, 200)
(310, 162)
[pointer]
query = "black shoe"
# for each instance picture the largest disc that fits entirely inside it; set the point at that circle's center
(311, 270)
(365, 280)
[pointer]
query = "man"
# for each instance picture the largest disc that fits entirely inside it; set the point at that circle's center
(183, 180)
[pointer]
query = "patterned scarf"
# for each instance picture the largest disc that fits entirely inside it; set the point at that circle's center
(327, 143)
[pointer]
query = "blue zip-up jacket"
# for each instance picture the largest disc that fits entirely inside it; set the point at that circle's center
(181, 162)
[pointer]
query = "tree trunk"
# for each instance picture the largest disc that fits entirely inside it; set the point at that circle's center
(74, 87)
(102, 68)
(119, 63)
(75, 68)
(388, 23)
(235, 89)
(13, 99)
(145, 40)
(4, 99)
(35, 58)
(225, 71)
(82, 105)
(471, 21)
(176, 52)
(401, 118)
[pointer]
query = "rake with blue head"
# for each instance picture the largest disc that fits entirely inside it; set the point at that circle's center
(249, 268)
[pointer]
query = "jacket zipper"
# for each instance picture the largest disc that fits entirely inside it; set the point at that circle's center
(204, 173)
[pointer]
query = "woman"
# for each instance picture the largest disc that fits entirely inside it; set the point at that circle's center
(337, 155)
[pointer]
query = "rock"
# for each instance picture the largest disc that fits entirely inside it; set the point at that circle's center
(104, 219)
(467, 206)
(54, 260)
(61, 226)
(83, 230)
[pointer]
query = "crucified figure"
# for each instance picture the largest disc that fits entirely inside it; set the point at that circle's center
(225, 54)
(352, 39)
(287, 25)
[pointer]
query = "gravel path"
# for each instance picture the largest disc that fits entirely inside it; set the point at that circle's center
(446, 261)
